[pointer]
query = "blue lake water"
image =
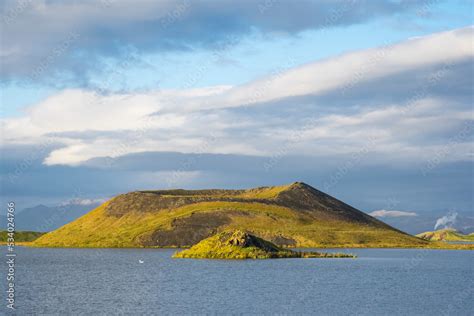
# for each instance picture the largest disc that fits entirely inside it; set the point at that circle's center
(113, 282)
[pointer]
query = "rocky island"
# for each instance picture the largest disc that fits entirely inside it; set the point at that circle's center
(242, 245)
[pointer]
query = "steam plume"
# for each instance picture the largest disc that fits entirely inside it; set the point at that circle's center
(446, 221)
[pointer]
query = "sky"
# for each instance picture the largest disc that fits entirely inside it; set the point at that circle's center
(369, 101)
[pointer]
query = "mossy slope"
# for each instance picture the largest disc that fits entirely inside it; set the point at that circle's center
(241, 245)
(294, 215)
(448, 234)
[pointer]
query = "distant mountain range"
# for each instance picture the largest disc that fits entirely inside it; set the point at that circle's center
(43, 218)
(295, 215)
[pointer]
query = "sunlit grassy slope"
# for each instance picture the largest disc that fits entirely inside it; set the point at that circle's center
(295, 215)
(446, 235)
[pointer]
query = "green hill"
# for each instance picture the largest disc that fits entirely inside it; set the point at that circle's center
(241, 245)
(295, 215)
(20, 236)
(448, 234)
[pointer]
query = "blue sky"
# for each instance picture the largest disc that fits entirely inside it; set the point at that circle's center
(249, 57)
(370, 101)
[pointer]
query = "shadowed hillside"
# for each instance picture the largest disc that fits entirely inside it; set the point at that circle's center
(295, 215)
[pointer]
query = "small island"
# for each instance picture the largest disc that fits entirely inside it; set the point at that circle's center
(242, 245)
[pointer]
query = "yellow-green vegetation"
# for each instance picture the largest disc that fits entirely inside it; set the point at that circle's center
(238, 244)
(294, 215)
(263, 192)
(448, 234)
(20, 236)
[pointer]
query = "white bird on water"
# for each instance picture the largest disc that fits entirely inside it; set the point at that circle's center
(140, 261)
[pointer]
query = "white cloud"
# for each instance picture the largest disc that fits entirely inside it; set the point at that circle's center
(385, 213)
(79, 201)
(88, 125)
(32, 31)
(347, 70)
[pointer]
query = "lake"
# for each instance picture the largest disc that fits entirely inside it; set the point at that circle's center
(113, 282)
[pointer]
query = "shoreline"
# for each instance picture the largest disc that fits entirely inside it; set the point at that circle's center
(428, 247)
